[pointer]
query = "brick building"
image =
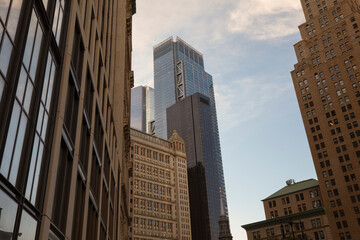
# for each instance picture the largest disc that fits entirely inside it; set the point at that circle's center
(327, 83)
(295, 211)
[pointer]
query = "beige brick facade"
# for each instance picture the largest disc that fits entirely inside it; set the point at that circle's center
(160, 199)
(327, 83)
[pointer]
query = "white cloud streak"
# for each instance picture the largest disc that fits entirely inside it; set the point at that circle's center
(264, 19)
(246, 99)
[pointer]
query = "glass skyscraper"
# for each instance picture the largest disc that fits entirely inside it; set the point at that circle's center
(142, 109)
(178, 73)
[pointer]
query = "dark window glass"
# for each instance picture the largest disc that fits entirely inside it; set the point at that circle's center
(84, 145)
(98, 134)
(77, 53)
(107, 167)
(88, 96)
(95, 180)
(105, 202)
(62, 189)
(79, 207)
(71, 108)
(92, 220)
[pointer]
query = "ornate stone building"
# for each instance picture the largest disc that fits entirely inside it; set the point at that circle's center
(160, 195)
(65, 79)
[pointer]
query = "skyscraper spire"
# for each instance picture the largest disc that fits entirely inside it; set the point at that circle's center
(224, 226)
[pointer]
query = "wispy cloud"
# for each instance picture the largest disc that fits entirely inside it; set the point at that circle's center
(264, 19)
(158, 19)
(246, 99)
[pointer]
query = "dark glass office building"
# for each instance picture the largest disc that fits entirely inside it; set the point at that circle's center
(64, 117)
(142, 109)
(191, 118)
(179, 72)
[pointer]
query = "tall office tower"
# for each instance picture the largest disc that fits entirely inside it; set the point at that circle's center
(327, 82)
(160, 195)
(142, 109)
(65, 82)
(179, 72)
(192, 118)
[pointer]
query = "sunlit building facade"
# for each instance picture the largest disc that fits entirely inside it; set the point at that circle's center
(65, 78)
(327, 83)
(160, 195)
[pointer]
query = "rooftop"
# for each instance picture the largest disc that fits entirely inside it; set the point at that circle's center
(294, 187)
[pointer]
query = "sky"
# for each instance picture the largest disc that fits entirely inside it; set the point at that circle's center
(248, 49)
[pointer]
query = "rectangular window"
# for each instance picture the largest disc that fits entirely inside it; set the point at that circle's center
(62, 189)
(72, 106)
(79, 206)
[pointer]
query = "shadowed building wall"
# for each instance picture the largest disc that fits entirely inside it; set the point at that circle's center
(191, 118)
(65, 79)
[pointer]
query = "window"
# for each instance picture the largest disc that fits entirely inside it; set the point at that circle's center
(62, 190)
(58, 17)
(16, 134)
(8, 212)
(39, 144)
(71, 108)
(9, 13)
(28, 225)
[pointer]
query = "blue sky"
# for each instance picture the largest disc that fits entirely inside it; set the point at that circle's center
(248, 49)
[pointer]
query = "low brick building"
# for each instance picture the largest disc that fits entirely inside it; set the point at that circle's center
(293, 212)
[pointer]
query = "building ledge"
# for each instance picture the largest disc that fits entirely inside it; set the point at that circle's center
(285, 219)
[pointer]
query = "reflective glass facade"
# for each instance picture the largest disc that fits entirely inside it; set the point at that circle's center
(142, 108)
(179, 72)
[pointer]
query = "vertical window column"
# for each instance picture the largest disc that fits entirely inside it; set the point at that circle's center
(20, 115)
(41, 130)
(9, 15)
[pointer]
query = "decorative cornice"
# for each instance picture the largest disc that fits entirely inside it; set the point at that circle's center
(285, 219)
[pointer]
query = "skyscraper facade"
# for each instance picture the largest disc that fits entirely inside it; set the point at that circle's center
(179, 72)
(65, 78)
(327, 83)
(142, 109)
(191, 118)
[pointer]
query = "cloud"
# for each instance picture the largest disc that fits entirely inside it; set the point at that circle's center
(246, 99)
(199, 22)
(264, 19)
